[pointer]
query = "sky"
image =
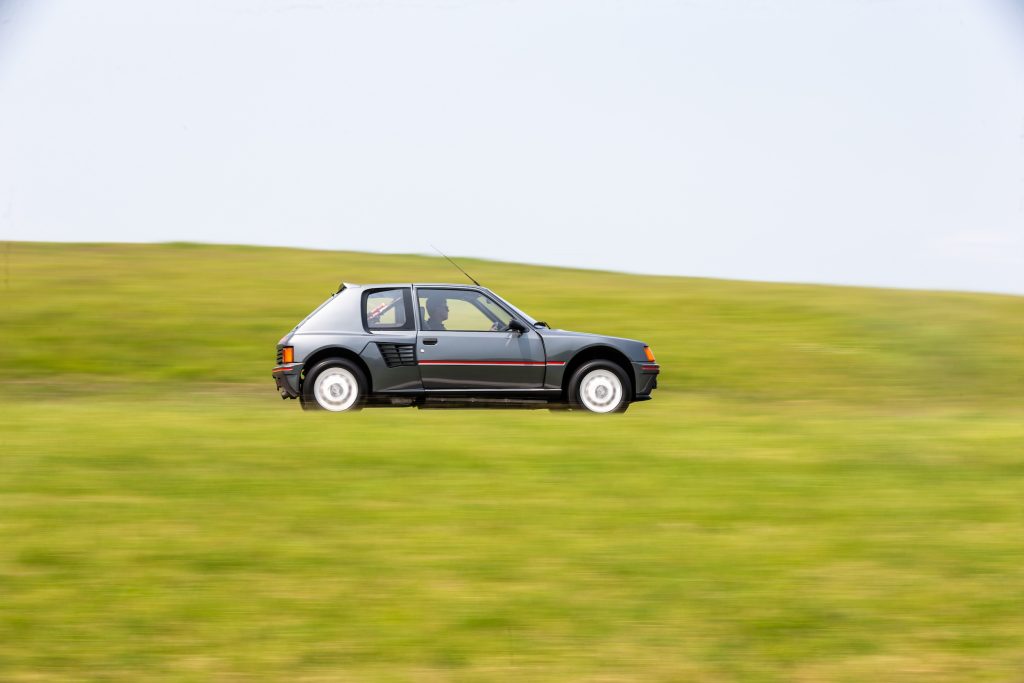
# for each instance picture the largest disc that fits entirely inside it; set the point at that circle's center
(868, 142)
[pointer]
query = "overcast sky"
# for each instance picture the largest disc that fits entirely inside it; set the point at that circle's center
(874, 142)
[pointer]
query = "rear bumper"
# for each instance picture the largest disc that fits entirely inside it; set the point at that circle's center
(645, 378)
(286, 378)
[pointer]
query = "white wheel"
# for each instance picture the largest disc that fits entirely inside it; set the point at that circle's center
(336, 389)
(601, 391)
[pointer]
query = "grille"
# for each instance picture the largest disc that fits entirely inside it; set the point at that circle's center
(398, 354)
(280, 356)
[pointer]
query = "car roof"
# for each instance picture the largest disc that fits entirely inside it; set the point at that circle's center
(375, 285)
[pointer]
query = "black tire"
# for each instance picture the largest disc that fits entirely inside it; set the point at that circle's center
(593, 397)
(345, 376)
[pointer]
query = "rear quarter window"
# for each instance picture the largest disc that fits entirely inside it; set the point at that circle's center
(388, 310)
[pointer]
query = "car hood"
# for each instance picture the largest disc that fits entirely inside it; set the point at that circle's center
(585, 335)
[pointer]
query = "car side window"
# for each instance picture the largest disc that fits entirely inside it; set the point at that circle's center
(497, 313)
(459, 310)
(388, 310)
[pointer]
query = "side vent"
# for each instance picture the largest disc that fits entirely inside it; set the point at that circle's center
(398, 354)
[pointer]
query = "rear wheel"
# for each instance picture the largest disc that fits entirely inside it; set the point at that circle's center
(335, 384)
(600, 386)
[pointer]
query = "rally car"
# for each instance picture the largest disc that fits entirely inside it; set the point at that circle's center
(438, 345)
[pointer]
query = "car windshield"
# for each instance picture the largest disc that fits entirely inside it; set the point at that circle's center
(514, 308)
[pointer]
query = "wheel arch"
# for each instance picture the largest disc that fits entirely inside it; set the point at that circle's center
(336, 352)
(598, 352)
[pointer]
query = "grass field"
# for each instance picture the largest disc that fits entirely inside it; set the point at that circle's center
(827, 486)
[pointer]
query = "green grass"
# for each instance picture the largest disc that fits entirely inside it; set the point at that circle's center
(826, 487)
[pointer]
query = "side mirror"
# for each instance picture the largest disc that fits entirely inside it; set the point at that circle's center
(516, 326)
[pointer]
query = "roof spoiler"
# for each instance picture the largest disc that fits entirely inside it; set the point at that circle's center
(344, 285)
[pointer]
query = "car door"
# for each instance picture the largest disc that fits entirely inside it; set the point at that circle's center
(464, 344)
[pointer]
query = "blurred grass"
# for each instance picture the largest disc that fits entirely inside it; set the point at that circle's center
(827, 486)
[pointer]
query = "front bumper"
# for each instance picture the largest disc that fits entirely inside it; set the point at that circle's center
(645, 376)
(286, 378)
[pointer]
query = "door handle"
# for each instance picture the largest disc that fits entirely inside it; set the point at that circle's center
(430, 341)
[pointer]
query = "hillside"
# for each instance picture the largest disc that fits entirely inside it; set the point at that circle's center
(136, 314)
(826, 488)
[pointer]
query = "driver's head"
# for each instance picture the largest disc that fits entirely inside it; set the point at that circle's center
(437, 308)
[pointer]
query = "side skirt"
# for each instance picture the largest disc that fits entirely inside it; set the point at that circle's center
(461, 398)
(432, 402)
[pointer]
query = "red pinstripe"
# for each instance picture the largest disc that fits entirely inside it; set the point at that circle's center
(489, 362)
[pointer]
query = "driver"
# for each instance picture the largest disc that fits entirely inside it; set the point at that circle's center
(437, 313)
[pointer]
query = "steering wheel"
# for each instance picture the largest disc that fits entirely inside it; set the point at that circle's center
(498, 326)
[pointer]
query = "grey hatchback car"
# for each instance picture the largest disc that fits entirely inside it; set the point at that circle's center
(444, 345)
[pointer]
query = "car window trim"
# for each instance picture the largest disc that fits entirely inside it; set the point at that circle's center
(407, 301)
(497, 301)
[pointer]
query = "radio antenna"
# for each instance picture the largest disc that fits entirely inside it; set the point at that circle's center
(456, 265)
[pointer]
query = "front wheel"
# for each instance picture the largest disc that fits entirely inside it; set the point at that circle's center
(335, 384)
(599, 386)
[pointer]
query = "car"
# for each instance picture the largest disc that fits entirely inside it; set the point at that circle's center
(445, 345)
